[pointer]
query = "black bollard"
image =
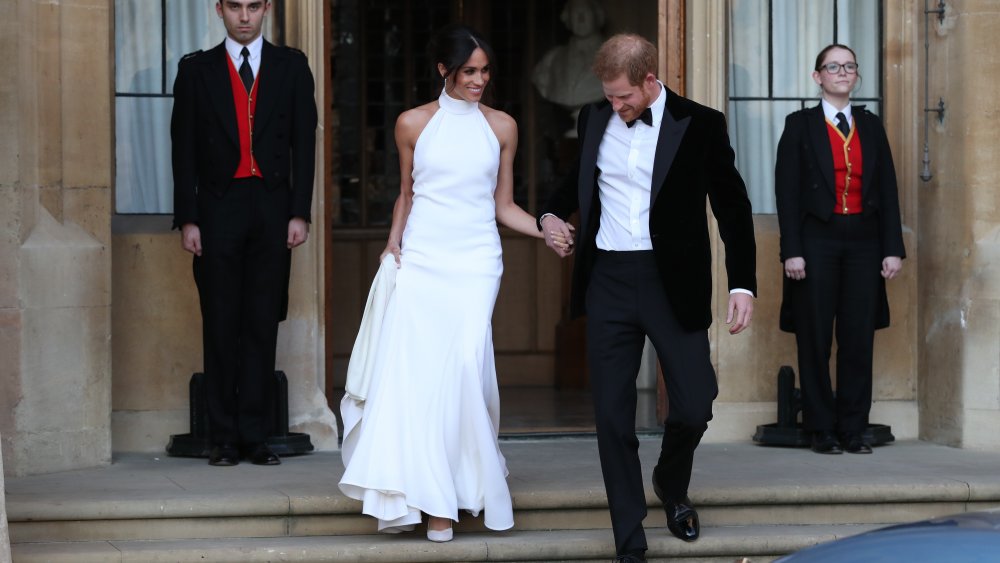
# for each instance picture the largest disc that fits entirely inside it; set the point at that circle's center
(196, 442)
(788, 432)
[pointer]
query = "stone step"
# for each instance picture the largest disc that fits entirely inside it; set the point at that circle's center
(717, 544)
(260, 516)
(555, 484)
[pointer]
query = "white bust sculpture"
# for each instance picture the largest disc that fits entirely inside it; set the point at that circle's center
(563, 76)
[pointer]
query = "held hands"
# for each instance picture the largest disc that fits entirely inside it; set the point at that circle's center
(298, 231)
(795, 268)
(191, 238)
(740, 312)
(891, 266)
(558, 235)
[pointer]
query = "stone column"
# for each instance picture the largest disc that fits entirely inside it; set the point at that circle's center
(747, 377)
(960, 233)
(301, 351)
(4, 536)
(55, 188)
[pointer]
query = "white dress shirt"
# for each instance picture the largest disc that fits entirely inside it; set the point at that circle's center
(625, 159)
(234, 48)
(831, 113)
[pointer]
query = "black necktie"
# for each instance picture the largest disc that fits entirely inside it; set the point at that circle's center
(646, 116)
(246, 73)
(842, 124)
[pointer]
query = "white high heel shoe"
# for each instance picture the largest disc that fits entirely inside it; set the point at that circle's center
(440, 536)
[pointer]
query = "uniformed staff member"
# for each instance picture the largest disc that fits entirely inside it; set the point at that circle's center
(243, 140)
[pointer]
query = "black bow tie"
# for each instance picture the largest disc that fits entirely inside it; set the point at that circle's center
(646, 116)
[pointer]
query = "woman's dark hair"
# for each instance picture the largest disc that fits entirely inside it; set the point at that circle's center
(453, 45)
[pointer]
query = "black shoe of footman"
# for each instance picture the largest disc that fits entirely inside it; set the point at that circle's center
(224, 455)
(824, 442)
(262, 455)
(854, 443)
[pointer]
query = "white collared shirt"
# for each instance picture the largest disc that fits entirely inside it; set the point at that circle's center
(234, 48)
(625, 159)
(831, 113)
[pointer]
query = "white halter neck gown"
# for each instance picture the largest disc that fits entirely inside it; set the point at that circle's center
(426, 438)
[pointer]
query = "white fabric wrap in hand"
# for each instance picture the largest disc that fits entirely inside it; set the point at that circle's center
(365, 352)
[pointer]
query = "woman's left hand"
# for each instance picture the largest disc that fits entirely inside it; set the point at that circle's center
(891, 265)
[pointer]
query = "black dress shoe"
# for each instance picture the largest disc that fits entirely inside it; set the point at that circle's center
(824, 442)
(632, 558)
(224, 455)
(682, 518)
(262, 455)
(854, 443)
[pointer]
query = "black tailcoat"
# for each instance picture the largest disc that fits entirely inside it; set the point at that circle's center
(205, 138)
(804, 186)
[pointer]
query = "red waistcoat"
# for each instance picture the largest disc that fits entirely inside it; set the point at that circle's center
(246, 107)
(846, 169)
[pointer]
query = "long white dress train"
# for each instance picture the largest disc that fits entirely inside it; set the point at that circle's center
(425, 440)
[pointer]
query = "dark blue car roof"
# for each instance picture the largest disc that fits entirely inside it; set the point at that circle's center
(968, 537)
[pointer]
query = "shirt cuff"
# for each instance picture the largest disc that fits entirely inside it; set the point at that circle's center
(740, 290)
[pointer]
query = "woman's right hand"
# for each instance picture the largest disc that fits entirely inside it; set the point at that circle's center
(795, 268)
(391, 248)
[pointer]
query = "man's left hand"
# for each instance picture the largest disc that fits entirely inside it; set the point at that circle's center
(298, 232)
(891, 266)
(740, 312)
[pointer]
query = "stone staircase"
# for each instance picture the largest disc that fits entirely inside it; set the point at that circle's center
(755, 502)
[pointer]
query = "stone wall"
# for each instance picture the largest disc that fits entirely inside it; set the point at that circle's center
(960, 233)
(55, 187)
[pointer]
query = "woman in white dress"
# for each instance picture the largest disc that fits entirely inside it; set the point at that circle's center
(425, 439)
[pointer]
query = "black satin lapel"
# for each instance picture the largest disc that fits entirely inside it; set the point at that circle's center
(597, 122)
(220, 89)
(869, 157)
(820, 141)
(669, 140)
(270, 76)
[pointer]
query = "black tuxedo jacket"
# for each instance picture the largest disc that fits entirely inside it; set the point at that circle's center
(804, 186)
(694, 160)
(205, 139)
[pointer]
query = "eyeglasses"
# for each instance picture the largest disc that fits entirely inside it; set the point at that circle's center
(834, 68)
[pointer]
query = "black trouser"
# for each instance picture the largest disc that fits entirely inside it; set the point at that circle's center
(843, 265)
(625, 303)
(242, 278)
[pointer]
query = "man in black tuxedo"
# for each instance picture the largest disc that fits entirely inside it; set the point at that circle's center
(648, 160)
(243, 139)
